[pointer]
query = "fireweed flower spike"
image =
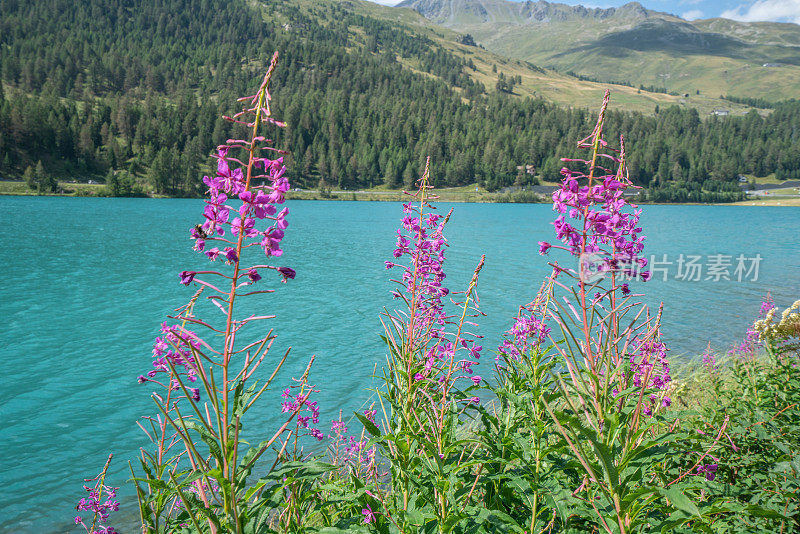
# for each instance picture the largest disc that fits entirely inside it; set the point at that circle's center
(208, 385)
(614, 366)
(430, 376)
(710, 361)
(529, 330)
(606, 223)
(99, 504)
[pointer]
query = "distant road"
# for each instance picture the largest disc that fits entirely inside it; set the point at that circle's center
(788, 183)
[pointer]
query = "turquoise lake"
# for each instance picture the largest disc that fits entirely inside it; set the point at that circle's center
(89, 281)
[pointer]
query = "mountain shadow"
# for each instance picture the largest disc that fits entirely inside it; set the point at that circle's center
(671, 37)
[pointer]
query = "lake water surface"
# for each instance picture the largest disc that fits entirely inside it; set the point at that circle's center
(88, 281)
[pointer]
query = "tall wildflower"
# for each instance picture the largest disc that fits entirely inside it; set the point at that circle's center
(529, 330)
(710, 361)
(430, 372)
(746, 349)
(429, 352)
(198, 472)
(600, 227)
(615, 363)
(595, 217)
(100, 502)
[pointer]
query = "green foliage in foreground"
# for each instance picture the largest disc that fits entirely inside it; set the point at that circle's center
(581, 434)
(508, 467)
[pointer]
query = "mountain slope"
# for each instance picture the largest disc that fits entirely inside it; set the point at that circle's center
(630, 43)
(456, 12)
(136, 89)
(558, 87)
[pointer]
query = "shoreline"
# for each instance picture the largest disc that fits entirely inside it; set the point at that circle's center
(456, 195)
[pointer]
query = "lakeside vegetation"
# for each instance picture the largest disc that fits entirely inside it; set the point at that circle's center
(468, 193)
(588, 431)
(141, 91)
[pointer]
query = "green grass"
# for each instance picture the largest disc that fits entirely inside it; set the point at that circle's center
(791, 191)
(769, 179)
(382, 194)
(8, 187)
(12, 187)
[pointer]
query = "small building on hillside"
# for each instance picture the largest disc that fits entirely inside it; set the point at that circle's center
(529, 169)
(721, 112)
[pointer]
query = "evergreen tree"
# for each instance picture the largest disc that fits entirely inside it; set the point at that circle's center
(161, 171)
(29, 178)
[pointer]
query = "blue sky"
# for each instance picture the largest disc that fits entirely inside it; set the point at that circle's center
(744, 10)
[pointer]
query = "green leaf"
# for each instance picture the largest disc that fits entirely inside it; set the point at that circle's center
(242, 398)
(680, 501)
(208, 438)
(759, 511)
(369, 426)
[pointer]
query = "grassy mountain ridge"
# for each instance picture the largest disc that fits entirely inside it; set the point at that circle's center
(452, 12)
(558, 87)
(630, 43)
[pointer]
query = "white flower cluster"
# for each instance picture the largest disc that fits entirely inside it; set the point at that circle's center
(787, 329)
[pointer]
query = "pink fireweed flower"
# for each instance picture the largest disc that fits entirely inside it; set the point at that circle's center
(746, 350)
(352, 452)
(710, 361)
(280, 219)
(174, 349)
(649, 362)
(287, 273)
(369, 515)
(253, 275)
(245, 226)
(424, 244)
(420, 240)
(527, 333)
(438, 350)
(338, 428)
(230, 255)
(766, 307)
(596, 218)
(238, 213)
(307, 411)
(709, 470)
(101, 501)
(233, 182)
(271, 241)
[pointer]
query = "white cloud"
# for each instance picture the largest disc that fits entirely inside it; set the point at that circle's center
(692, 14)
(387, 2)
(774, 10)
